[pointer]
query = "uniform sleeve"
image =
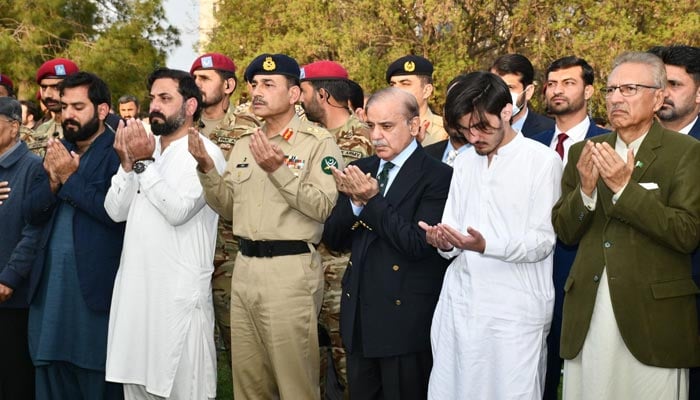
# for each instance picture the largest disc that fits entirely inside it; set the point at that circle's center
(313, 193)
(218, 190)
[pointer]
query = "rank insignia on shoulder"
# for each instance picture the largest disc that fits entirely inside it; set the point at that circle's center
(327, 163)
(287, 134)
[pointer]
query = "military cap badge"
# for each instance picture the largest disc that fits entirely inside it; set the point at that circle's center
(409, 66)
(269, 64)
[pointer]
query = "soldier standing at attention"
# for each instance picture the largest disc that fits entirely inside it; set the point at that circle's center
(215, 75)
(414, 74)
(325, 95)
(279, 190)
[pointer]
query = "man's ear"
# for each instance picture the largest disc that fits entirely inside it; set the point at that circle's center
(588, 92)
(102, 111)
(229, 85)
(294, 94)
(191, 106)
(529, 91)
(428, 90)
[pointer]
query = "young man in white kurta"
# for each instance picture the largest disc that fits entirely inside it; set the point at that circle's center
(160, 341)
(490, 326)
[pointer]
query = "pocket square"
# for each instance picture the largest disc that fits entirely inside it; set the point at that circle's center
(649, 185)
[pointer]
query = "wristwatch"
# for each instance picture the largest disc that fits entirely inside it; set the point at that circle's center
(140, 165)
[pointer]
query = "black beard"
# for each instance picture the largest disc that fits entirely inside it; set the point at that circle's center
(74, 132)
(166, 128)
(214, 101)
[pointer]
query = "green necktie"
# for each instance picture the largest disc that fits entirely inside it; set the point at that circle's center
(383, 177)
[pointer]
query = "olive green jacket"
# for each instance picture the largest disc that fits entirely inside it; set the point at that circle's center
(644, 240)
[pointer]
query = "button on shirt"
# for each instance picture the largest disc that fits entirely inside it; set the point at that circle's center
(576, 134)
(398, 162)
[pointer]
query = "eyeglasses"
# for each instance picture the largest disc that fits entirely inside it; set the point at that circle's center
(625, 90)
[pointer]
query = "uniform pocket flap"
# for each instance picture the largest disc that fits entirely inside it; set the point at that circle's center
(569, 283)
(677, 288)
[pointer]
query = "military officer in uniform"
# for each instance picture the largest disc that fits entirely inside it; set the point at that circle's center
(215, 75)
(48, 76)
(278, 190)
(414, 74)
(325, 95)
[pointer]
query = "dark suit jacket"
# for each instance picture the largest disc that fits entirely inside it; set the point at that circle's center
(96, 238)
(394, 277)
(695, 130)
(645, 241)
(536, 123)
(437, 149)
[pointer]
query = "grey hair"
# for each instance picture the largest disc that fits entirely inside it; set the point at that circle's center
(405, 100)
(657, 70)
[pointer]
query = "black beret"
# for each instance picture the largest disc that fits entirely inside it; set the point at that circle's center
(272, 64)
(409, 65)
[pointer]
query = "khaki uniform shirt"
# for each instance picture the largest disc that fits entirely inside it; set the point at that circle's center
(436, 131)
(290, 203)
(352, 140)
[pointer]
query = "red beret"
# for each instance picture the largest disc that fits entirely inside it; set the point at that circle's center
(6, 81)
(215, 61)
(327, 70)
(56, 68)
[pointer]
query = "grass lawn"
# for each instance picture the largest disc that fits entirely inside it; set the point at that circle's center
(224, 386)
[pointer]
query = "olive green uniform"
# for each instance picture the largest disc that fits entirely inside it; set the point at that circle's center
(225, 133)
(275, 300)
(436, 131)
(42, 134)
(353, 143)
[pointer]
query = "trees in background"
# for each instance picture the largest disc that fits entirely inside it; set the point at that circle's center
(122, 41)
(366, 35)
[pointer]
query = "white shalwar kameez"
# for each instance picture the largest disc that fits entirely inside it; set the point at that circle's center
(161, 325)
(491, 323)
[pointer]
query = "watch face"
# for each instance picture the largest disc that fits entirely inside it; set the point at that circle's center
(139, 167)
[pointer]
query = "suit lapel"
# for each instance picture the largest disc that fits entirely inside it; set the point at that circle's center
(647, 152)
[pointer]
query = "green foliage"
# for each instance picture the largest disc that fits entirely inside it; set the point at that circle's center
(458, 36)
(121, 41)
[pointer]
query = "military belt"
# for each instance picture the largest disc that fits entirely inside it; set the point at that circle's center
(272, 248)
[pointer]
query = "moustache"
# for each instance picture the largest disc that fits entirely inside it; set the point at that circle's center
(71, 122)
(156, 114)
(377, 143)
(669, 102)
(259, 101)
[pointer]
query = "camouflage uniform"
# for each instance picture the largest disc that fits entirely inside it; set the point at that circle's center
(236, 121)
(353, 143)
(36, 145)
(436, 131)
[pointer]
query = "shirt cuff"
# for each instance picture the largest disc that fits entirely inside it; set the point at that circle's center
(282, 176)
(356, 210)
(589, 202)
(617, 195)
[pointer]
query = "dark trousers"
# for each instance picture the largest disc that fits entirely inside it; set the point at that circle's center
(61, 380)
(403, 377)
(16, 369)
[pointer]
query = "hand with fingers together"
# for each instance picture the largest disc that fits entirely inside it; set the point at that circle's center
(588, 172)
(4, 190)
(267, 155)
(140, 143)
(59, 163)
(614, 171)
(121, 147)
(360, 187)
(434, 236)
(196, 147)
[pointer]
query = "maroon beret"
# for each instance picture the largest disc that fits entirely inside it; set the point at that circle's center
(56, 68)
(6, 81)
(215, 61)
(327, 70)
